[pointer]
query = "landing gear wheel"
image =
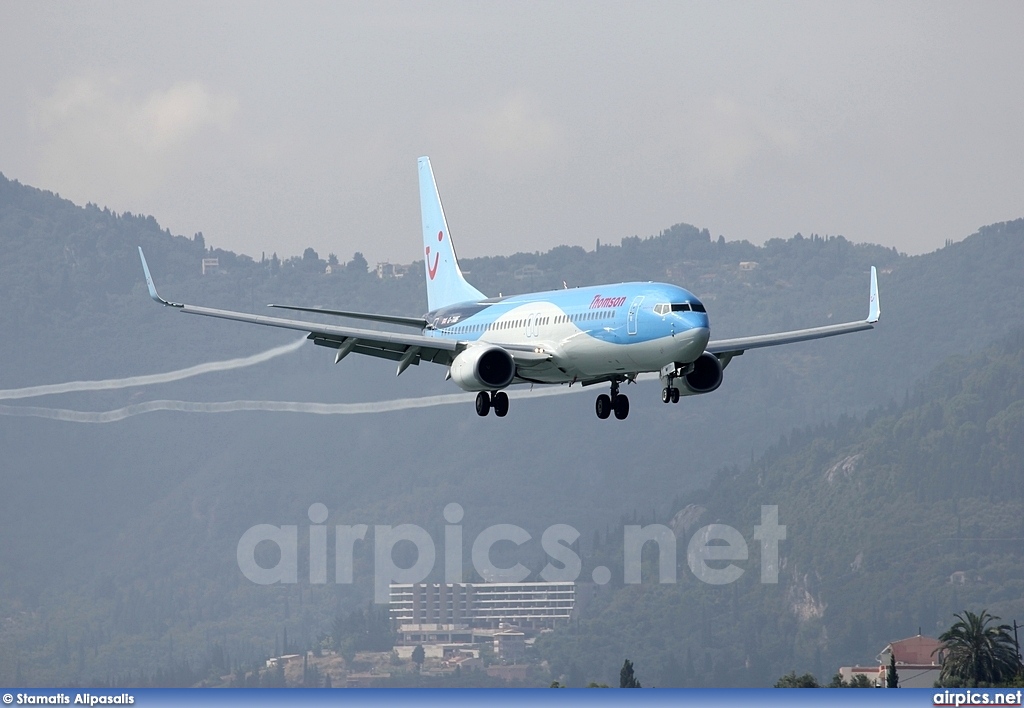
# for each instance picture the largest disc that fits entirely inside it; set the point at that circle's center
(499, 401)
(621, 404)
(603, 406)
(666, 395)
(675, 395)
(483, 403)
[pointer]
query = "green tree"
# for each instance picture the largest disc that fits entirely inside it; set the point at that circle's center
(892, 679)
(347, 650)
(358, 264)
(858, 681)
(977, 652)
(418, 655)
(791, 680)
(626, 677)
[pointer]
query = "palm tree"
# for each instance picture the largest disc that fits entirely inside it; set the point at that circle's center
(976, 652)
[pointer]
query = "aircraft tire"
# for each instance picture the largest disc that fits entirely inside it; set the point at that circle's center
(483, 403)
(621, 404)
(499, 401)
(603, 406)
(666, 395)
(675, 395)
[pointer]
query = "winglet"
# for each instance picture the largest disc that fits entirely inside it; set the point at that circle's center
(152, 287)
(874, 309)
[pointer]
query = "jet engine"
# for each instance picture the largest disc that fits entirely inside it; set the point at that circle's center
(483, 368)
(705, 376)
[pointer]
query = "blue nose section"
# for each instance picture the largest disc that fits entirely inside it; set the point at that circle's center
(701, 336)
(697, 320)
(691, 343)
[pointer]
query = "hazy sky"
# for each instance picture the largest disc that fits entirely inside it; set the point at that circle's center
(277, 126)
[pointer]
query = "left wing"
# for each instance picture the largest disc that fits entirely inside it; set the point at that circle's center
(726, 349)
(406, 349)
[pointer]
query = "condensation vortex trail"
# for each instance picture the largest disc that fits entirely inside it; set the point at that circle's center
(117, 414)
(149, 379)
(399, 404)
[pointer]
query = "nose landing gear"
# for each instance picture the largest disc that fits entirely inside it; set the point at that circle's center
(669, 374)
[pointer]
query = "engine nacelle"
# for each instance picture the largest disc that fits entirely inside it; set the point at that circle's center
(483, 368)
(705, 376)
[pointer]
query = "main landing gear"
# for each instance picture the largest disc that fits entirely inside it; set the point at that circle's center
(617, 402)
(486, 401)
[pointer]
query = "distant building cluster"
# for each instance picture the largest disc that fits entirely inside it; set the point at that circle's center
(527, 272)
(387, 270)
(451, 616)
(918, 663)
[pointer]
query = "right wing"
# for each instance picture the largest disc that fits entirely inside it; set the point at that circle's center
(726, 349)
(418, 322)
(406, 349)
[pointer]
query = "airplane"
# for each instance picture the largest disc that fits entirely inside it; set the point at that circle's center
(605, 334)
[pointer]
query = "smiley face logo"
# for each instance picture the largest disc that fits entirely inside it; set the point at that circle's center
(432, 270)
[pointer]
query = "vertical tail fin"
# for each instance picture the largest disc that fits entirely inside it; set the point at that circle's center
(445, 284)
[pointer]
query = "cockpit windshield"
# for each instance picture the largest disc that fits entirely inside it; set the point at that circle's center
(665, 308)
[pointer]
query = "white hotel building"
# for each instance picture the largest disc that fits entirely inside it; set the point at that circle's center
(432, 612)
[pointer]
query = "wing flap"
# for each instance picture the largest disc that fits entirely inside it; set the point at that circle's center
(417, 322)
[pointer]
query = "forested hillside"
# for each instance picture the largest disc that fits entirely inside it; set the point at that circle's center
(119, 539)
(894, 522)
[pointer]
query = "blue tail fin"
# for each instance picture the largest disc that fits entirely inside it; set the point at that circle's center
(445, 284)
